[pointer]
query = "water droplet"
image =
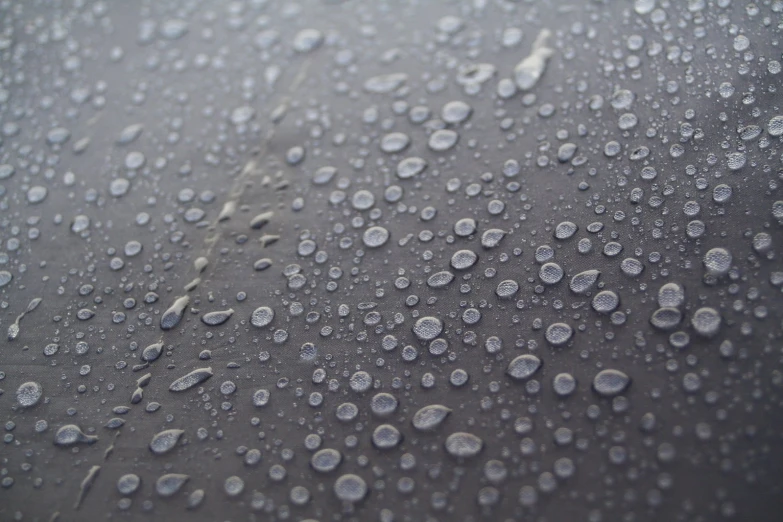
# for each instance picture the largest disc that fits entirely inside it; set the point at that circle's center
(28, 394)
(706, 321)
(666, 318)
(427, 328)
(583, 282)
(169, 484)
(375, 237)
(610, 382)
(410, 167)
(350, 488)
(463, 445)
(152, 352)
(558, 334)
(71, 434)
(173, 315)
(128, 484)
(717, 261)
(386, 436)
(430, 417)
(217, 318)
(190, 380)
(523, 366)
(165, 441)
(442, 140)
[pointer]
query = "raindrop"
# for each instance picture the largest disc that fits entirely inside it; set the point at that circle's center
(558, 334)
(386, 436)
(375, 237)
(428, 328)
(71, 434)
(350, 488)
(410, 167)
(262, 316)
(326, 460)
(523, 366)
(666, 318)
(442, 140)
(29, 394)
(583, 282)
(169, 484)
(165, 441)
(609, 383)
(430, 417)
(190, 380)
(217, 318)
(463, 445)
(706, 321)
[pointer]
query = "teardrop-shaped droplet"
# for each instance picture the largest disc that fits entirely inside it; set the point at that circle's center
(152, 352)
(583, 282)
(492, 237)
(169, 484)
(85, 314)
(463, 445)
(71, 434)
(137, 396)
(173, 315)
(610, 382)
(430, 417)
(262, 264)
(32, 305)
(13, 330)
(165, 441)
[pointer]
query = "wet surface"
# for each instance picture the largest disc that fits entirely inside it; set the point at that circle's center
(328, 260)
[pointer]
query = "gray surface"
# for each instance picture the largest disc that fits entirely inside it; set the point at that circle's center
(52, 50)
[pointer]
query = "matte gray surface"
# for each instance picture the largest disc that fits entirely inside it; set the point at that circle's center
(223, 92)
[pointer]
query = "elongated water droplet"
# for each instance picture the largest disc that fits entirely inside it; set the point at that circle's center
(583, 282)
(173, 315)
(152, 352)
(86, 484)
(261, 220)
(169, 484)
(430, 417)
(610, 382)
(463, 445)
(71, 434)
(165, 441)
(190, 380)
(217, 318)
(523, 366)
